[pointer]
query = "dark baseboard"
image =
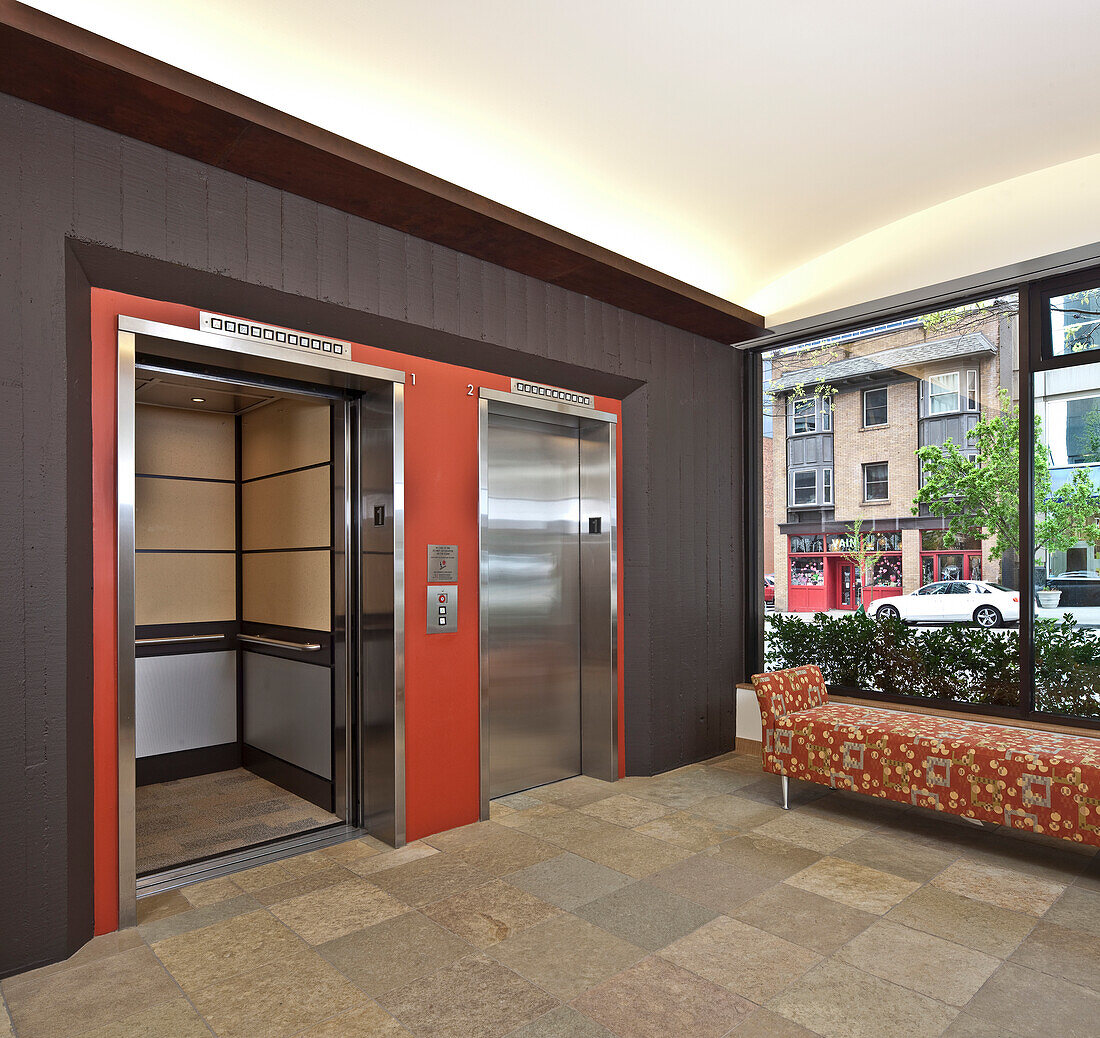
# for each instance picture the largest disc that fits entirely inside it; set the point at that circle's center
(205, 760)
(289, 776)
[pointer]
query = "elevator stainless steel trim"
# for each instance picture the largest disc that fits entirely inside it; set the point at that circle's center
(181, 639)
(278, 643)
(400, 832)
(601, 760)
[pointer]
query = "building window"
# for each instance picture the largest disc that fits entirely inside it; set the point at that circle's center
(874, 408)
(1082, 430)
(807, 572)
(826, 486)
(876, 481)
(804, 487)
(942, 393)
(972, 392)
(810, 415)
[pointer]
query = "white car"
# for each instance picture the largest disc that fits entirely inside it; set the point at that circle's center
(952, 601)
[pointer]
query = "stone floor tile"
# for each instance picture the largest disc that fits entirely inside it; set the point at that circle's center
(889, 852)
(172, 1019)
(629, 852)
(735, 812)
(6, 1030)
(490, 913)
(1077, 909)
(161, 906)
(474, 997)
(625, 810)
(775, 859)
(711, 883)
(692, 832)
(262, 876)
(676, 794)
(278, 999)
(518, 801)
(498, 810)
(393, 953)
(1004, 888)
(199, 958)
(463, 836)
(856, 810)
(566, 955)
(197, 918)
(575, 792)
(807, 919)
(839, 1001)
(103, 991)
(1059, 864)
(568, 880)
(367, 1021)
(526, 817)
(656, 999)
(921, 961)
(300, 885)
(390, 859)
(352, 850)
(645, 915)
(333, 911)
(506, 851)
(971, 1027)
(766, 790)
(429, 879)
(211, 891)
(563, 1022)
(818, 834)
(303, 864)
(750, 763)
(1030, 1003)
(763, 1023)
(854, 885)
(559, 825)
(96, 948)
(963, 920)
(749, 962)
(1070, 954)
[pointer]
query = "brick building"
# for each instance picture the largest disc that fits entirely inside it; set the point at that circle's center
(848, 416)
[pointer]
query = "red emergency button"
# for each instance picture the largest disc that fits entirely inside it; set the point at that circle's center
(442, 598)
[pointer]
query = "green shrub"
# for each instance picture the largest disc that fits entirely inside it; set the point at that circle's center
(955, 662)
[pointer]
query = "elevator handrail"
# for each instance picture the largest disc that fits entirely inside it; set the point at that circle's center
(180, 638)
(278, 643)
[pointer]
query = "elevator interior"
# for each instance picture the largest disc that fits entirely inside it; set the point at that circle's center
(260, 593)
(548, 594)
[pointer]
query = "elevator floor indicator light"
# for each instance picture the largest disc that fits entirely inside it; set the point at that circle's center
(271, 334)
(533, 389)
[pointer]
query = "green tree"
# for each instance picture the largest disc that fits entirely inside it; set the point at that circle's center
(859, 549)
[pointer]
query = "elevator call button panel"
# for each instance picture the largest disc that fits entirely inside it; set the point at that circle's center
(442, 608)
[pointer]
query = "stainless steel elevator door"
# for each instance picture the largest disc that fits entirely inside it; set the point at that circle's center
(531, 547)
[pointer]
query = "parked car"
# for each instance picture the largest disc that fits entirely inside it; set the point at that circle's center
(952, 601)
(769, 589)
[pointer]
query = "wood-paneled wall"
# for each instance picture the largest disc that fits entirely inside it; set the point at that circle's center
(172, 228)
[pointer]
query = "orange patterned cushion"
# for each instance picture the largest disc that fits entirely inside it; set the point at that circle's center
(787, 691)
(1020, 777)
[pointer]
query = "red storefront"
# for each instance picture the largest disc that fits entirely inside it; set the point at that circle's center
(824, 575)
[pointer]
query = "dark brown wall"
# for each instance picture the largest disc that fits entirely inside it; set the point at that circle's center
(80, 205)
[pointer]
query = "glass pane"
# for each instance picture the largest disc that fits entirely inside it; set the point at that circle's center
(807, 572)
(805, 487)
(876, 482)
(927, 569)
(1066, 599)
(951, 567)
(943, 393)
(1075, 322)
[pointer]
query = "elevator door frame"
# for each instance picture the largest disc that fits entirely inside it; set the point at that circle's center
(599, 700)
(374, 763)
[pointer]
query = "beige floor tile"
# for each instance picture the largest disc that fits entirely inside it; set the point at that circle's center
(963, 920)
(749, 962)
(463, 835)
(474, 997)
(763, 1023)
(1069, 954)
(278, 999)
(971, 1027)
(566, 955)
(1060, 863)
(854, 885)
(856, 809)
(1004, 888)
(766, 790)
(429, 879)
(490, 913)
(333, 911)
(390, 859)
(199, 958)
(173, 1019)
(97, 948)
(262, 876)
(351, 850)
(563, 1022)
(656, 999)
(631, 853)
(645, 915)
(526, 817)
(161, 906)
(394, 953)
(211, 891)
(559, 825)
(775, 859)
(1077, 909)
(369, 1021)
(625, 810)
(103, 991)
(5, 1023)
(691, 832)
(838, 1001)
(807, 919)
(918, 960)
(734, 812)
(818, 834)
(710, 882)
(568, 880)
(197, 918)
(575, 792)
(506, 851)
(1029, 1003)
(300, 885)
(499, 810)
(888, 852)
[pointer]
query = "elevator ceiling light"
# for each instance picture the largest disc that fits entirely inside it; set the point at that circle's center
(198, 400)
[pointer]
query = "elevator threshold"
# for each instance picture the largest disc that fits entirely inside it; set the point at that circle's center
(248, 858)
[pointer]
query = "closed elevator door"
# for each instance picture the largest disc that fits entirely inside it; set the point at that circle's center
(531, 547)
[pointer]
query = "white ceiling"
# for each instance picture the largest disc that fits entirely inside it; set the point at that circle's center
(792, 155)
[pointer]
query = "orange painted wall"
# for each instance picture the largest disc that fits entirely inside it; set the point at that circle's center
(441, 507)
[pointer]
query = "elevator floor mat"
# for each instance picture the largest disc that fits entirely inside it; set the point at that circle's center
(194, 818)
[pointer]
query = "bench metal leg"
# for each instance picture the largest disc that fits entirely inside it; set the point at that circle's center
(784, 783)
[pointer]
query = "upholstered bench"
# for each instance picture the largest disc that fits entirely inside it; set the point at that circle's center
(1020, 777)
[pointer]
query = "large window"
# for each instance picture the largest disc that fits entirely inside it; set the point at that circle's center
(874, 408)
(942, 393)
(812, 414)
(804, 487)
(876, 481)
